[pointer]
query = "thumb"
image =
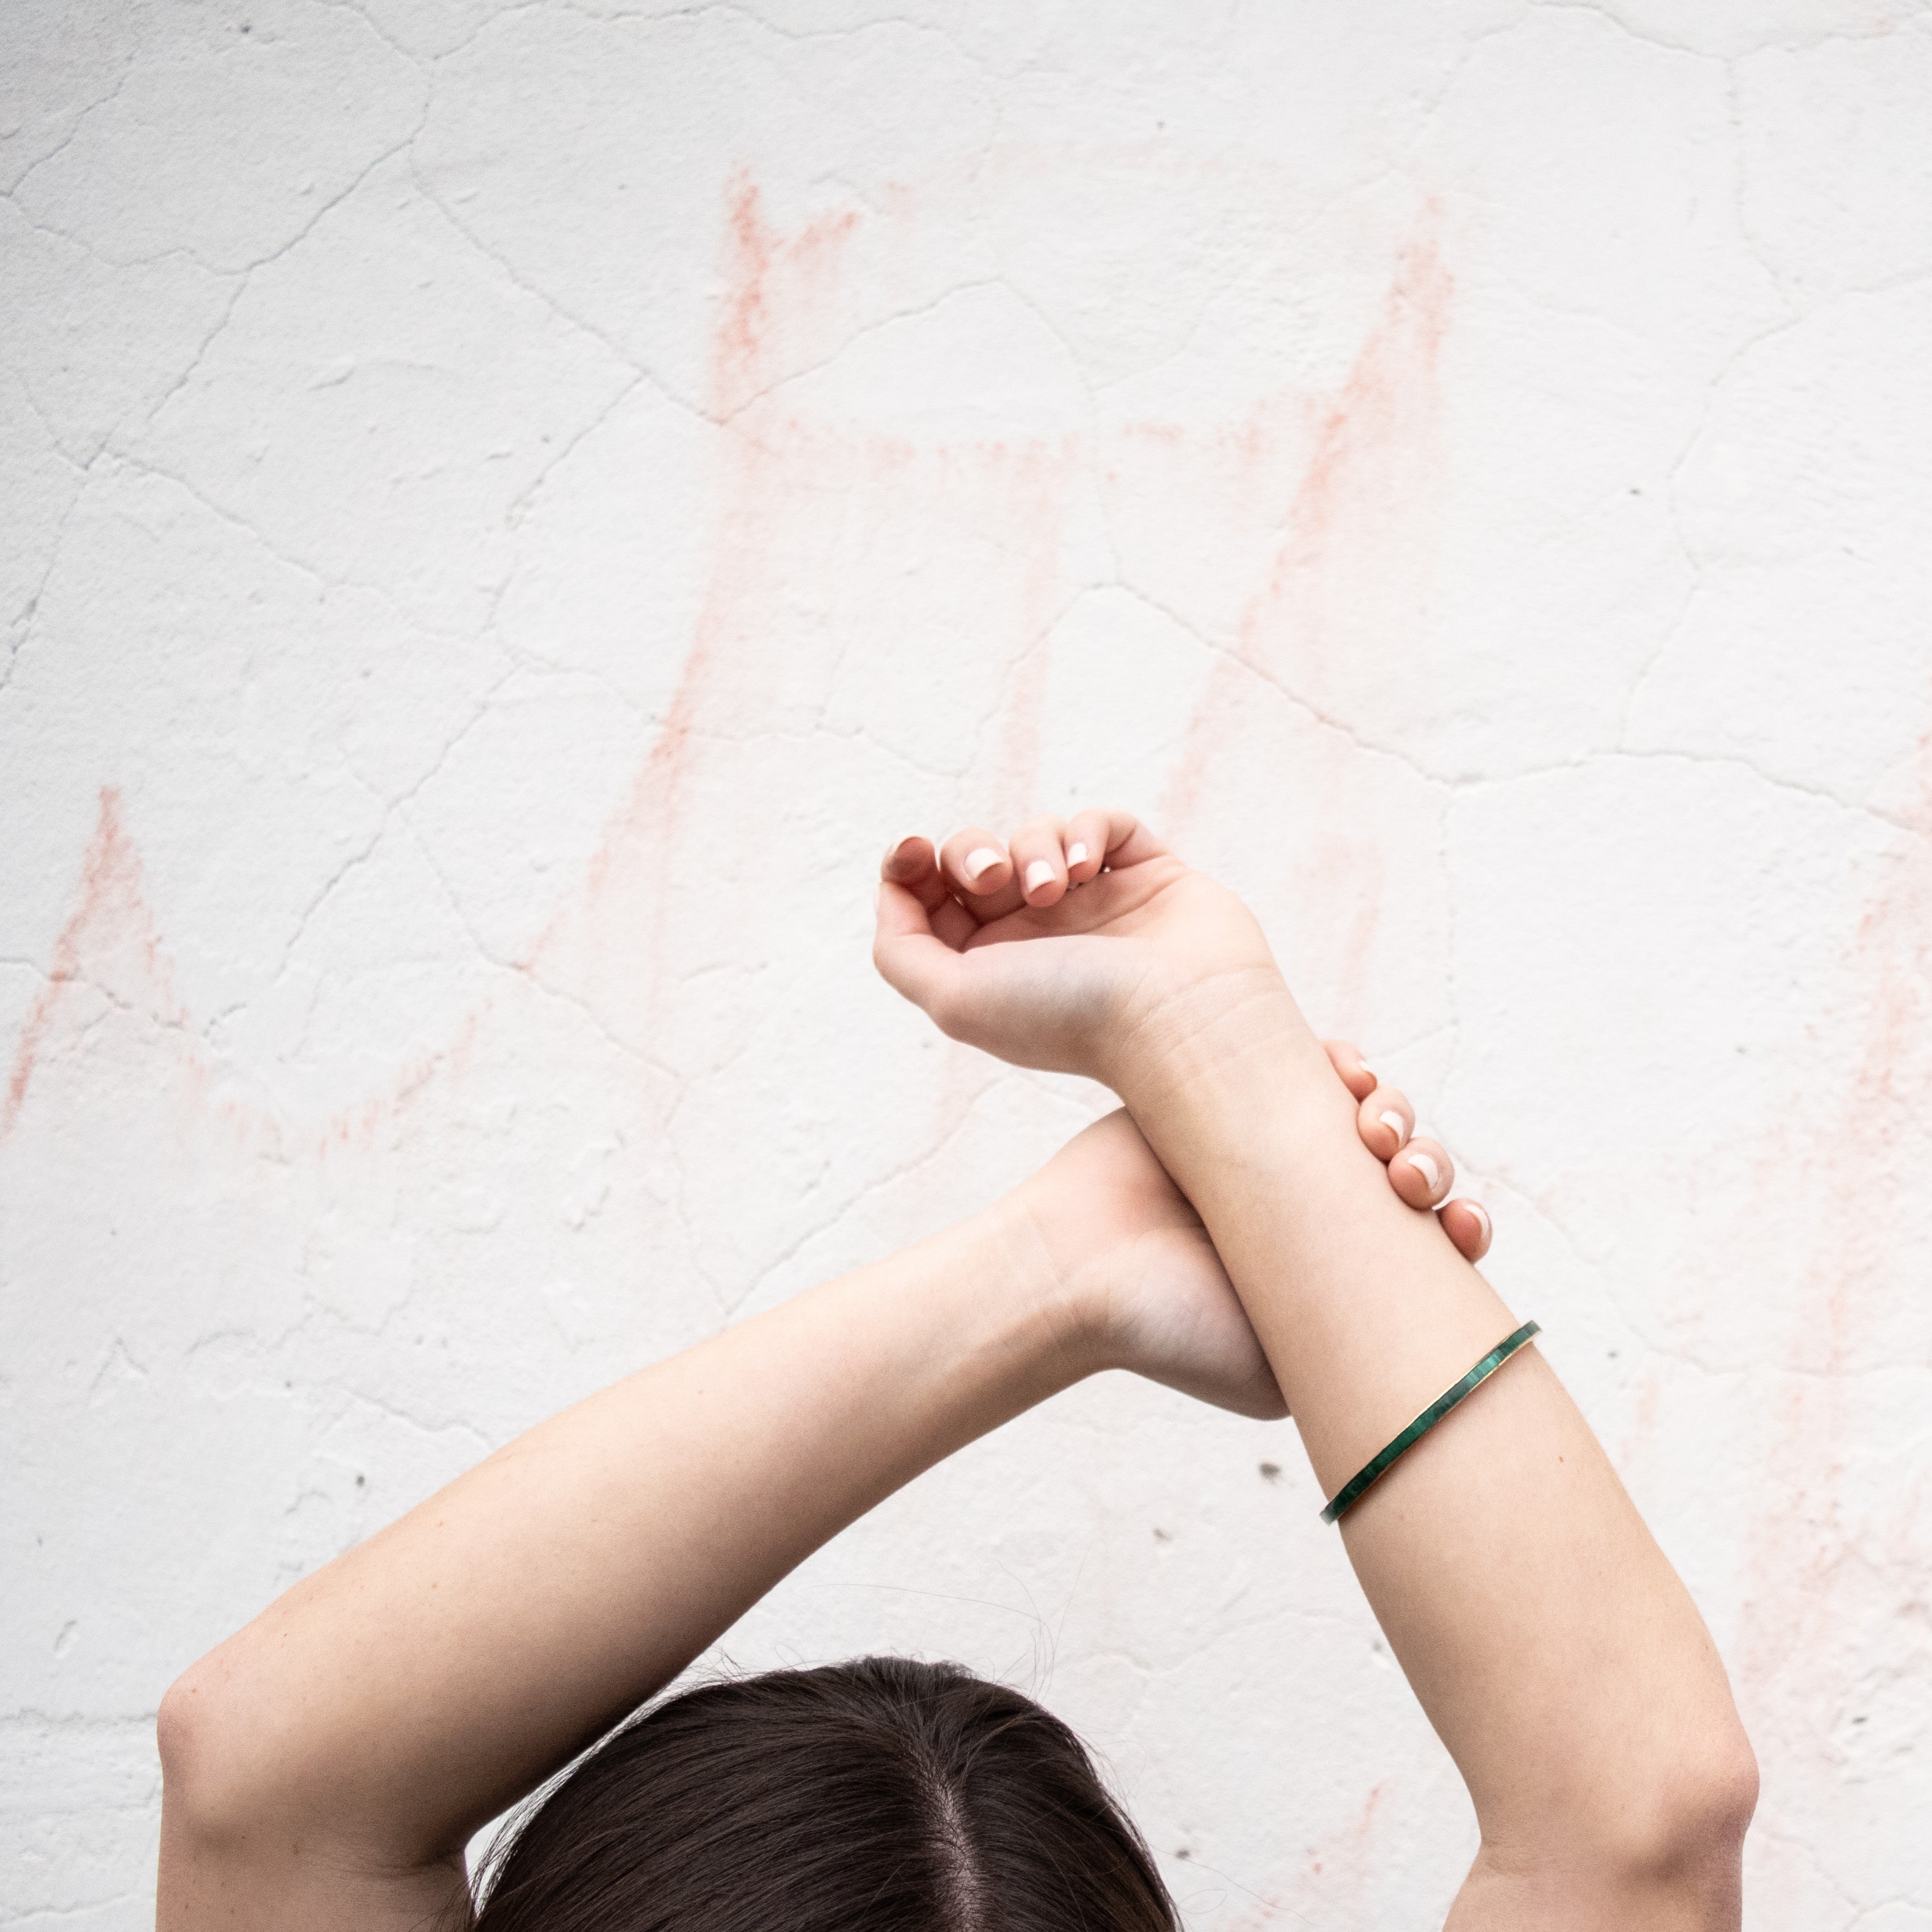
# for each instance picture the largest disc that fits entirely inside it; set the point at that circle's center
(911, 958)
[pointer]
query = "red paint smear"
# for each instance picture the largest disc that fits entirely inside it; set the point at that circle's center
(610, 942)
(1371, 458)
(769, 279)
(776, 314)
(111, 941)
(781, 294)
(1034, 479)
(1334, 1876)
(1360, 524)
(1813, 1583)
(110, 925)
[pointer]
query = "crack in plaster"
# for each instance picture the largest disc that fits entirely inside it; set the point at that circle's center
(1232, 656)
(26, 622)
(1794, 44)
(862, 333)
(563, 314)
(390, 809)
(874, 1186)
(112, 95)
(794, 36)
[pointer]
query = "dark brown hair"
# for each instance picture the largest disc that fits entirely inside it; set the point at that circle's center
(879, 1795)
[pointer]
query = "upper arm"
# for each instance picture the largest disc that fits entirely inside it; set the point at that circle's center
(1675, 1864)
(234, 1858)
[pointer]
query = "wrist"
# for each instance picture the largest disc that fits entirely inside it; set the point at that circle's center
(1031, 1303)
(1210, 1042)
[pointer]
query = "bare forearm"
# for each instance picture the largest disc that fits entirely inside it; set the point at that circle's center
(1362, 1304)
(1554, 1649)
(401, 1696)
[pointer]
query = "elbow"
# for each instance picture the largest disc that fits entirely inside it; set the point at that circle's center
(181, 1733)
(1668, 1851)
(1683, 1847)
(1704, 1836)
(196, 1737)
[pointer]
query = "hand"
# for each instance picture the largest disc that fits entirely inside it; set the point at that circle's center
(1136, 1264)
(1124, 949)
(1419, 1170)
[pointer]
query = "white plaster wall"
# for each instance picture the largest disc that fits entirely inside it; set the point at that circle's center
(508, 508)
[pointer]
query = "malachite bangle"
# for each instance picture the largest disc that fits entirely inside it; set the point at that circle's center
(1351, 1492)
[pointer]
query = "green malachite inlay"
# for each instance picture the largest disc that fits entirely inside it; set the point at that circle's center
(1351, 1492)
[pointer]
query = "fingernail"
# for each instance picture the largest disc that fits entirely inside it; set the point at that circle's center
(1427, 1168)
(979, 862)
(1482, 1214)
(1395, 1122)
(1076, 855)
(899, 845)
(1039, 874)
(1362, 1066)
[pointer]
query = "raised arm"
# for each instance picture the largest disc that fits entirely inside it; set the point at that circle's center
(325, 1766)
(1556, 1652)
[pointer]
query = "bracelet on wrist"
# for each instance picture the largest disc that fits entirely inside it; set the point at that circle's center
(1352, 1492)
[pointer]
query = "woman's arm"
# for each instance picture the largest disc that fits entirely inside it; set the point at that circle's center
(1554, 1650)
(326, 1766)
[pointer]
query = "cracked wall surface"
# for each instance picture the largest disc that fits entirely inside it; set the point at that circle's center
(509, 508)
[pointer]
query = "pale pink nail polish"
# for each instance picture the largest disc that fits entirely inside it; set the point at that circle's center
(1427, 1168)
(1039, 874)
(981, 861)
(1076, 855)
(1397, 1125)
(1482, 1214)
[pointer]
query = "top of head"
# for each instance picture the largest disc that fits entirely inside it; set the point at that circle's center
(879, 1795)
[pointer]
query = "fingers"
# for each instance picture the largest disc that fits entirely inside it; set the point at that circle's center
(913, 865)
(1467, 1224)
(912, 958)
(1354, 1071)
(1385, 1120)
(1097, 838)
(991, 879)
(979, 869)
(1420, 1170)
(1040, 861)
(1422, 1174)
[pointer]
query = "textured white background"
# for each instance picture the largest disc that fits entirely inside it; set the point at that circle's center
(506, 510)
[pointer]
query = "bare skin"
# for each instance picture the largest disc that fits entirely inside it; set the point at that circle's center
(325, 1766)
(1554, 1650)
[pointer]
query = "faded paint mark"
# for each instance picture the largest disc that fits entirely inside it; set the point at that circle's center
(109, 930)
(1829, 1600)
(775, 284)
(112, 944)
(1369, 492)
(1033, 479)
(1336, 1874)
(796, 496)
(1354, 561)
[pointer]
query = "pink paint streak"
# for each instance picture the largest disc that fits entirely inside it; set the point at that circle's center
(1354, 560)
(110, 932)
(791, 490)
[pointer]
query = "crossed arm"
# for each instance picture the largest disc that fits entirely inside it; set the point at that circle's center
(1554, 1649)
(326, 1765)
